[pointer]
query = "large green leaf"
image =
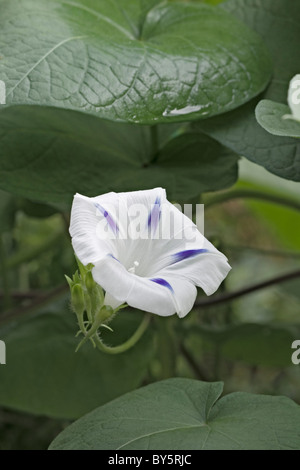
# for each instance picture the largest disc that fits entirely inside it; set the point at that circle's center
(278, 22)
(49, 154)
(272, 117)
(139, 61)
(180, 414)
(45, 376)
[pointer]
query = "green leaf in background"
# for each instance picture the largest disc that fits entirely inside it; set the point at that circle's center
(277, 219)
(278, 22)
(135, 61)
(190, 164)
(270, 116)
(50, 154)
(184, 414)
(35, 209)
(7, 211)
(252, 343)
(261, 345)
(257, 178)
(45, 376)
(283, 223)
(212, 2)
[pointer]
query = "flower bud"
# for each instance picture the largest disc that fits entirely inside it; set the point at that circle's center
(77, 299)
(104, 314)
(69, 281)
(94, 292)
(89, 281)
(76, 278)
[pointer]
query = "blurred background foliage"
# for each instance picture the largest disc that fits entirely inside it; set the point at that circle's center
(245, 342)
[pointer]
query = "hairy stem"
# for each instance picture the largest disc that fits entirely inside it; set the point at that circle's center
(127, 344)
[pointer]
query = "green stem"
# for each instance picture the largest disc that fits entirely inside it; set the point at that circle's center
(251, 194)
(127, 344)
(89, 334)
(3, 270)
(81, 324)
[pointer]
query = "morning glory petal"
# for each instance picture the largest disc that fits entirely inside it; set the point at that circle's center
(154, 274)
(185, 254)
(110, 221)
(136, 291)
(143, 293)
(163, 282)
(88, 245)
(206, 271)
(154, 216)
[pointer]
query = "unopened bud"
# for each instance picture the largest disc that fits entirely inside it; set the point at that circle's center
(89, 281)
(95, 293)
(69, 281)
(78, 302)
(103, 315)
(76, 278)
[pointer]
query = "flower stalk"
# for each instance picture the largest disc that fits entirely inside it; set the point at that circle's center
(87, 301)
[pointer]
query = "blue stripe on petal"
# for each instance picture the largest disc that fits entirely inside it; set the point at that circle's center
(154, 216)
(186, 254)
(113, 257)
(111, 223)
(162, 282)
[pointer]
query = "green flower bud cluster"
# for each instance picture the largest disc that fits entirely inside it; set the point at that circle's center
(87, 301)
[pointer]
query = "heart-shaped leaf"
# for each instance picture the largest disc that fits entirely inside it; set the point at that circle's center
(278, 22)
(184, 414)
(48, 155)
(134, 61)
(276, 118)
(45, 376)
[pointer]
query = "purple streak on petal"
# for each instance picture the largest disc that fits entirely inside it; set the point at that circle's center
(112, 224)
(162, 282)
(182, 255)
(112, 256)
(154, 216)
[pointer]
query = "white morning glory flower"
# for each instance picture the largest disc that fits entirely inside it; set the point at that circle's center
(145, 252)
(294, 99)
